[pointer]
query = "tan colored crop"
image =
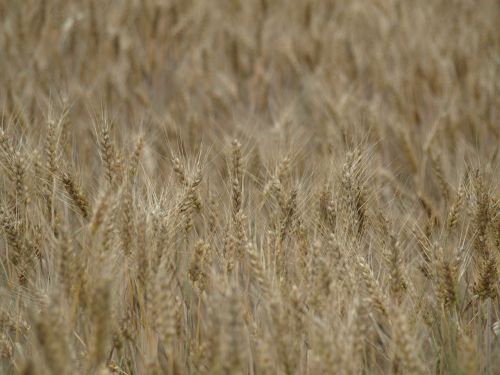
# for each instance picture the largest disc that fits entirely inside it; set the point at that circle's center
(249, 187)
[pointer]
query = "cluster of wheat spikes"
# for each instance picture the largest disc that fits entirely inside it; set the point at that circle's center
(249, 187)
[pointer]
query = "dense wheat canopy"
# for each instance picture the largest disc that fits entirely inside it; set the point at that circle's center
(249, 187)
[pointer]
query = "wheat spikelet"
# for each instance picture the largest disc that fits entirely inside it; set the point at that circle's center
(198, 268)
(438, 171)
(13, 234)
(447, 277)
(108, 154)
(127, 222)
(179, 171)
(51, 145)
(373, 288)
(455, 208)
(66, 265)
(233, 347)
(236, 177)
(50, 332)
(405, 347)
(21, 189)
(398, 284)
(166, 306)
(481, 216)
(76, 194)
(101, 311)
(135, 158)
(487, 278)
(100, 212)
(258, 272)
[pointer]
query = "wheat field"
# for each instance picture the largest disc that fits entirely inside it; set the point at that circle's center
(249, 187)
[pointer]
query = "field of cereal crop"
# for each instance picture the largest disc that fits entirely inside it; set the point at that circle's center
(249, 187)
